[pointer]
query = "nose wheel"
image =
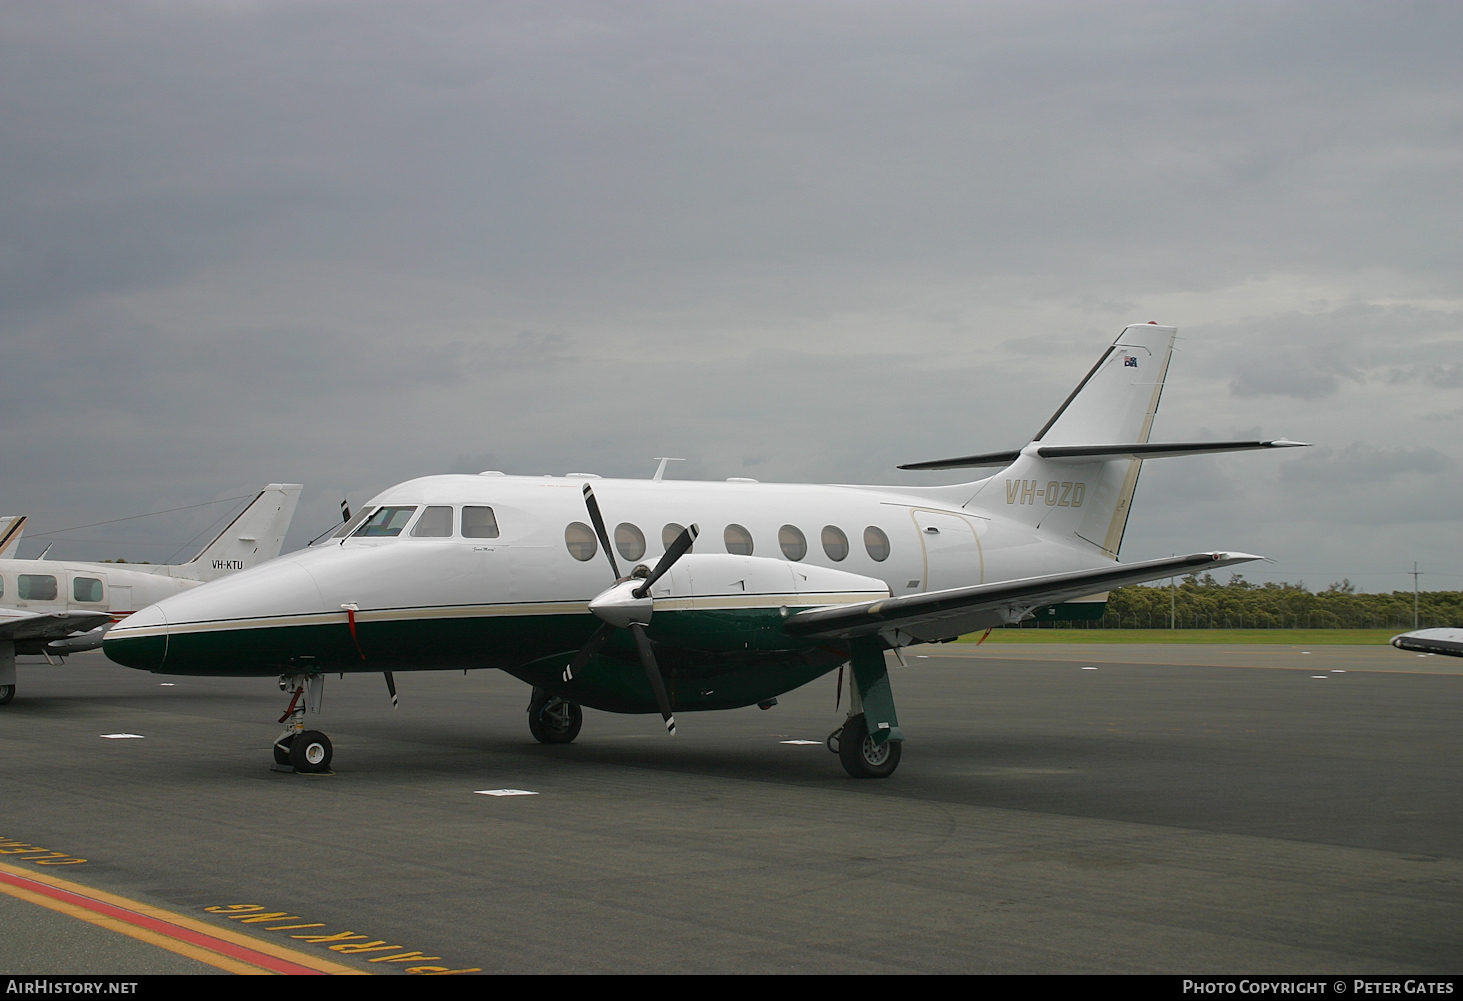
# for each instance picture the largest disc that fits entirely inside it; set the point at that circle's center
(7, 692)
(298, 749)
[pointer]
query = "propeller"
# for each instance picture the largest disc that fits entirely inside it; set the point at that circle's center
(627, 605)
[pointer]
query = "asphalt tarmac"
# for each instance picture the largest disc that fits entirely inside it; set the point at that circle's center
(1063, 809)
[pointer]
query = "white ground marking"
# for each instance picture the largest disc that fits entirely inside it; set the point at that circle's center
(1089, 669)
(1337, 670)
(1321, 676)
(800, 742)
(120, 736)
(504, 792)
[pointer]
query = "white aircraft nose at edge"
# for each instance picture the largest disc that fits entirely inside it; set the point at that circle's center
(779, 584)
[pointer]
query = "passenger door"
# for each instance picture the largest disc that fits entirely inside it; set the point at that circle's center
(952, 554)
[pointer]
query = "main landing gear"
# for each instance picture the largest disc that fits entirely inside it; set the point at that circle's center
(859, 755)
(7, 692)
(553, 720)
(868, 751)
(298, 749)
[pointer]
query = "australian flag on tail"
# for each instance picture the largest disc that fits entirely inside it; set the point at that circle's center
(1129, 361)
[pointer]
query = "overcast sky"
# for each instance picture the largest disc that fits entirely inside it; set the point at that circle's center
(346, 244)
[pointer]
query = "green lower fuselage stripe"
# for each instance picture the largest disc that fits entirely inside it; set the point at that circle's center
(718, 659)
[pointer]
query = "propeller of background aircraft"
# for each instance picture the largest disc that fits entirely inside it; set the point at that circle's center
(628, 605)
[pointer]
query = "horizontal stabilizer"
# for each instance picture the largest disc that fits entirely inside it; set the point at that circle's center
(968, 461)
(1102, 453)
(922, 613)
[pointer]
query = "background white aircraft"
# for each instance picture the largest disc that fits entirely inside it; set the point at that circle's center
(44, 604)
(787, 582)
(1446, 641)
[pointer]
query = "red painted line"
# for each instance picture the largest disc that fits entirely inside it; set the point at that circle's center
(239, 952)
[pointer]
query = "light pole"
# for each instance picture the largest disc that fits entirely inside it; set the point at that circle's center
(1415, 574)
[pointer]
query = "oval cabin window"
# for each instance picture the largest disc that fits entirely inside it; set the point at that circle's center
(738, 540)
(793, 542)
(579, 538)
(877, 543)
(835, 543)
(629, 540)
(670, 534)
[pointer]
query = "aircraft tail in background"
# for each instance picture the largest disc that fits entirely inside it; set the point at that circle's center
(255, 536)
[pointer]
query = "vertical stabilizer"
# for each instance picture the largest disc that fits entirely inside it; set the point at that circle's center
(1087, 503)
(255, 536)
(10, 528)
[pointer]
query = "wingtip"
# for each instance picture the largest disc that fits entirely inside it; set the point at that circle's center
(1237, 557)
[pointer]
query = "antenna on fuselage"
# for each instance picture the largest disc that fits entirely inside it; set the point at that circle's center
(660, 470)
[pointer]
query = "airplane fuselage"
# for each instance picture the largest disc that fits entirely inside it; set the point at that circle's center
(518, 599)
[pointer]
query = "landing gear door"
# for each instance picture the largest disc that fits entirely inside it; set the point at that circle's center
(952, 553)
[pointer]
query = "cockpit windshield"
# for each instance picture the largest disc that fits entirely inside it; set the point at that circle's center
(350, 526)
(387, 521)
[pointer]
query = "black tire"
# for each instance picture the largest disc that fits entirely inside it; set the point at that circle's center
(282, 749)
(7, 692)
(553, 720)
(311, 752)
(861, 757)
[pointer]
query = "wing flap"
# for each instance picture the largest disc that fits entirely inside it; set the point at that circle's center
(949, 613)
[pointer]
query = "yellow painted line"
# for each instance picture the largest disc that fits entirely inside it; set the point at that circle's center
(222, 948)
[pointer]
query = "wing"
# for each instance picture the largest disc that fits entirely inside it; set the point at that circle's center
(946, 614)
(18, 625)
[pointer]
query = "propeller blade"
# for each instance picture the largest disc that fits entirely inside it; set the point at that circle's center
(391, 688)
(599, 527)
(652, 674)
(588, 650)
(679, 548)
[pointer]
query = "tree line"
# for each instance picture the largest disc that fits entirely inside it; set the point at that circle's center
(1198, 601)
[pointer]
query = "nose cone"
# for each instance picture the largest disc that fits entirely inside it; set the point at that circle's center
(140, 640)
(237, 625)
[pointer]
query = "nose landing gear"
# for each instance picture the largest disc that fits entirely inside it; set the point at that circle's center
(298, 749)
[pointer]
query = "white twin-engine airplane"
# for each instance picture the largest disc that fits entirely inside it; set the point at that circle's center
(63, 606)
(786, 581)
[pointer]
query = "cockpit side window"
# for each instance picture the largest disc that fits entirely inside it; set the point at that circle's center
(435, 523)
(351, 525)
(479, 523)
(387, 521)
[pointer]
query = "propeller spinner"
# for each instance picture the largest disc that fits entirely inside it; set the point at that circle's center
(628, 605)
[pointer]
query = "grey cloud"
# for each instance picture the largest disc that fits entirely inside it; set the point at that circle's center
(347, 245)
(1287, 378)
(1358, 463)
